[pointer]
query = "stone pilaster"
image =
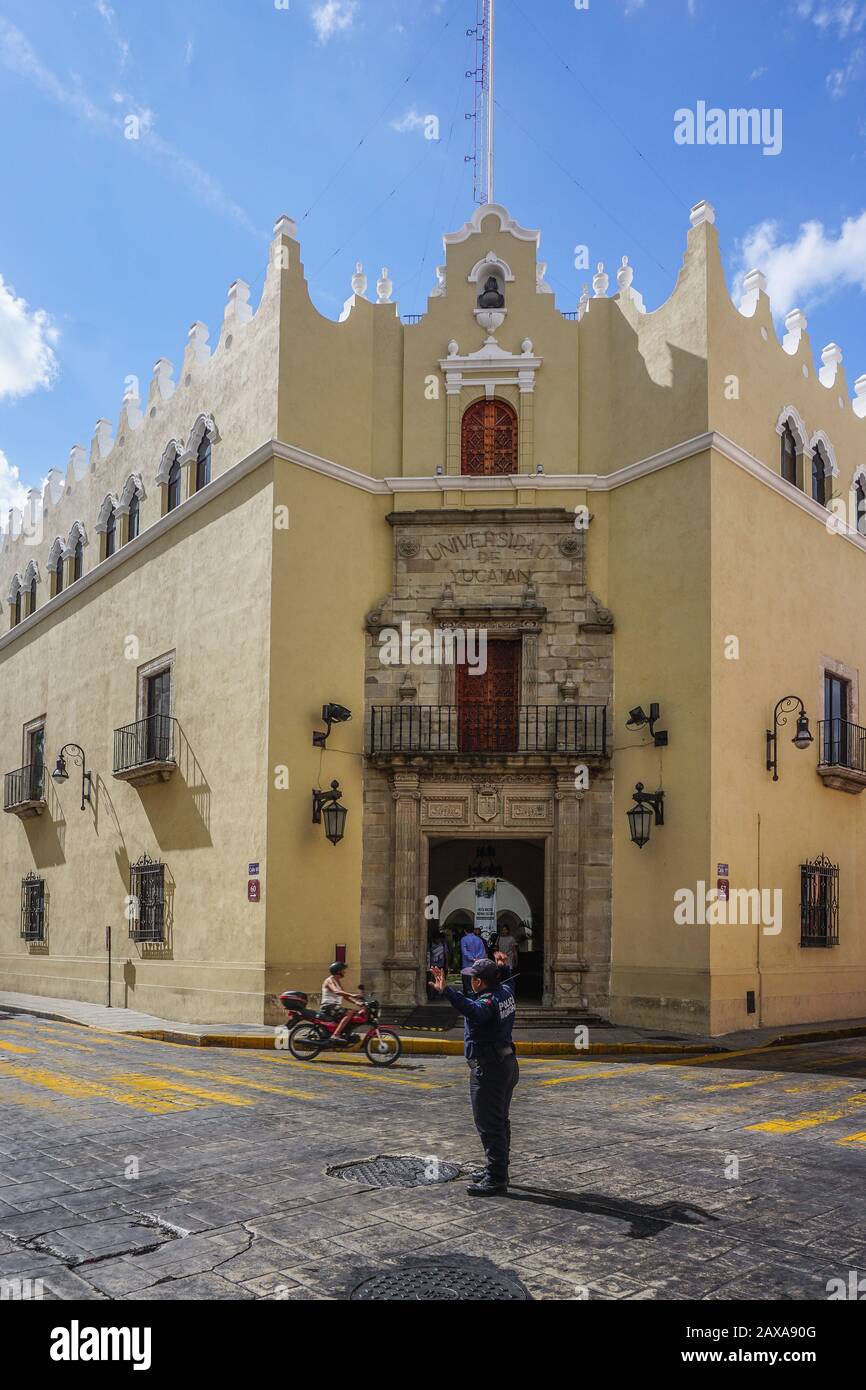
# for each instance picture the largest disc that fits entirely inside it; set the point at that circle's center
(567, 963)
(404, 964)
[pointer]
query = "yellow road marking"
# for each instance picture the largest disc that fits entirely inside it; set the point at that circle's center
(13, 1047)
(739, 1085)
(238, 1081)
(813, 1118)
(75, 1089)
(158, 1085)
(591, 1076)
(854, 1138)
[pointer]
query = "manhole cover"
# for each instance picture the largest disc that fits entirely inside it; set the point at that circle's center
(438, 1283)
(385, 1171)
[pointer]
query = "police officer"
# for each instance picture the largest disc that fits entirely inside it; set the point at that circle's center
(488, 1021)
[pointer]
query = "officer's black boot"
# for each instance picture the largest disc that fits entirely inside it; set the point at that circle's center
(487, 1187)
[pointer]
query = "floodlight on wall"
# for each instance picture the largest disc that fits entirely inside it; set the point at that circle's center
(331, 714)
(638, 720)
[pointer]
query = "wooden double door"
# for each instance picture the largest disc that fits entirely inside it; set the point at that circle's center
(488, 704)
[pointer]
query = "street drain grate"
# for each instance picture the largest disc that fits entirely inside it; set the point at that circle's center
(439, 1283)
(395, 1171)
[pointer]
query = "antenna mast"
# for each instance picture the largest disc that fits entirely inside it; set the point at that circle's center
(482, 115)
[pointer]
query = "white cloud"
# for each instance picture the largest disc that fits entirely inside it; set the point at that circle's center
(332, 17)
(632, 5)
(839, 79)
(756, 73)
(189, 51)
(19, 57)
(845, 16)
(411, 121)
(811, 268)
(107, 13)
(27, 342)
(13, 493)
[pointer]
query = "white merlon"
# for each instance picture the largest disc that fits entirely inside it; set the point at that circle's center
(702, 212)
(54, 485)
(130, 410)
(831, 357)
(384, 286)
(795, 325)
(286, 226)
(860, 397)
(600, 282)
(624, 278)
(197, 350)
(237, 309)
(161, 384)
(78, 462)
(103, 439)
(754, 285)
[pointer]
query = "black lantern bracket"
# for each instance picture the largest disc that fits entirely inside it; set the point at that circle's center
(787, 706)
(331, 714)
(637, 720)
(61, 775)
(654, 799)
(327, 804)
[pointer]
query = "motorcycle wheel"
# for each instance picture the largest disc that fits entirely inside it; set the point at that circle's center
(306, 1041)
(383, 1047)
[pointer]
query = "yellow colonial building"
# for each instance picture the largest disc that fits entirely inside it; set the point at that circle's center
(563, 570)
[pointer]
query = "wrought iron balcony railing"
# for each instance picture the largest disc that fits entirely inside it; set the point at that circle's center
(24, 786)
(145, 742)
(841, 744)
(488, 728)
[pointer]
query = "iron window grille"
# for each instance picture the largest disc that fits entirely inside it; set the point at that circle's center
(819, 902)
(33, 908)
(147, 900)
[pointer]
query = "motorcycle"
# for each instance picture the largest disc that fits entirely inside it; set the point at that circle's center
(311, 1031)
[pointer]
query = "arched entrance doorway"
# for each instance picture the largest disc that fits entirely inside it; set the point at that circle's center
(519, 903)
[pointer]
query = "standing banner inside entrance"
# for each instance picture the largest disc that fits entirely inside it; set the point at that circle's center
(485, 908)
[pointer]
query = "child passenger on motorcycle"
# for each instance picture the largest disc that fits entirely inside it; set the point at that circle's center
(334, 995)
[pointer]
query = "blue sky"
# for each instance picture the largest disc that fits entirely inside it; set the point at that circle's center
(111, 247)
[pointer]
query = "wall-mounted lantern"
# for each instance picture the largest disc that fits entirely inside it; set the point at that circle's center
(331, 714)
(328, 808)
(61, 775)
(802, 737)
(648, 806)
(637, 720)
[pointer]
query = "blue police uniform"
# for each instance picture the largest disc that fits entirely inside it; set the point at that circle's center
(488, 1020)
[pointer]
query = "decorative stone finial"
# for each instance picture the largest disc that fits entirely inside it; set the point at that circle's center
(831, 356)
(795, 324)
(359, 280)
(196, 343)
(441, 281)
(859, 406)
(754, 285)
(541, 286)
(624, 277)
(286, 226)
(238, 310)
(384, 286)
(161, 383)
(702, 212)
(600, 282)
(526, 347)
(583, 302)
(453, 348)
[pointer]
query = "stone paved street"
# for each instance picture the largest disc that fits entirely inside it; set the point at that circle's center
(135, 1169)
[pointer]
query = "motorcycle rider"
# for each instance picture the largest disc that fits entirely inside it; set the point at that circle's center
(333, 995)
(488, 1022)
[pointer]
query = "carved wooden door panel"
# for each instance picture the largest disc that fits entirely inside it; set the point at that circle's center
(488, 705)
(489, 439)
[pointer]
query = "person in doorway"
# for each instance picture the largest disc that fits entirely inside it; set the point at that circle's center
(472, 948)
(507, 944)
(488, 1020)
(334, 998)
(437, 958)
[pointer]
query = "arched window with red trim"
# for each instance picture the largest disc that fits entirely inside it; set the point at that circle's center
(489, 439)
